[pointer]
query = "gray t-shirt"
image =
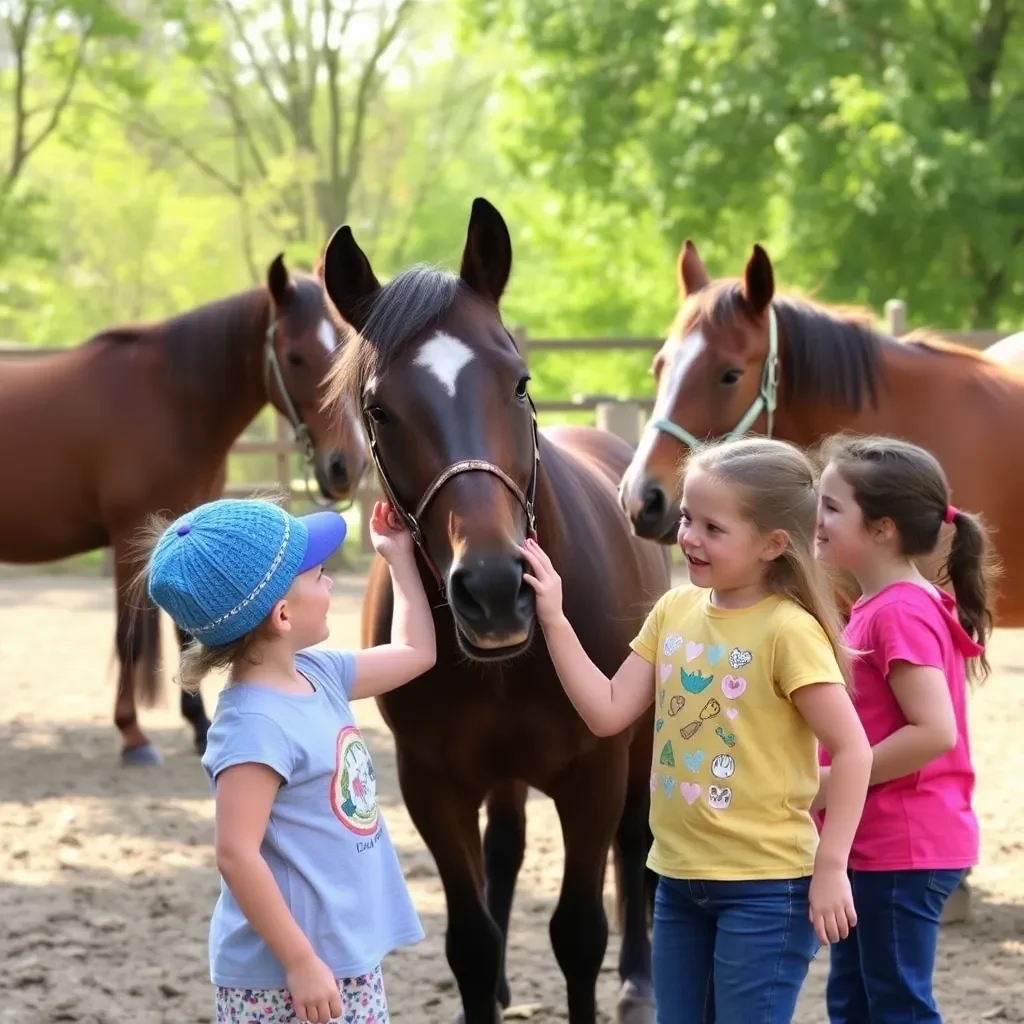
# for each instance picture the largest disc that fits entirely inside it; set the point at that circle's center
(326, 841)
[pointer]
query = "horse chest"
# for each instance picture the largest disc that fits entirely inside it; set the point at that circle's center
(501, 729)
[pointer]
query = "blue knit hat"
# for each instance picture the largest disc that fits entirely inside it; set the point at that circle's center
(220, 569)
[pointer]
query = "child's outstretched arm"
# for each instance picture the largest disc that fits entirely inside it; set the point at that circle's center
(413, 648)
(606, 705)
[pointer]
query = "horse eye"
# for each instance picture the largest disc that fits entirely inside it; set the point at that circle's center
(521, 387)
(377, 414)
(731, 376)
(294, 359)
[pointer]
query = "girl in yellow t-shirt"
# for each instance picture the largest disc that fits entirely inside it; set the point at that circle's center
(744, 667)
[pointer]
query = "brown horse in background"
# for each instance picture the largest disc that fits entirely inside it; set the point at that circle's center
(828, 370)
(453, 434)
(140, 419)
(740, 358)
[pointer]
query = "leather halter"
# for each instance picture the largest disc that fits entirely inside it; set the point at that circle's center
(303, 435)
(413, 519)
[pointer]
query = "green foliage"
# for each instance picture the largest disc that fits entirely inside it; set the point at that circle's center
(875, 146)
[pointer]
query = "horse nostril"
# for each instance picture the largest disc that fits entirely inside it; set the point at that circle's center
(654, 504)
(338, 469)
(463, 592)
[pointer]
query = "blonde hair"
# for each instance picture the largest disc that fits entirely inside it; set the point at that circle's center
(777, 488)
(198, 660)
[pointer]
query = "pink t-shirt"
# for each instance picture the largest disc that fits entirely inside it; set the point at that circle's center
(923, 820)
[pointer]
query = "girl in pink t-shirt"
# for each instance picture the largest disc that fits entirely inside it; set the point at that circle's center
(882, 504)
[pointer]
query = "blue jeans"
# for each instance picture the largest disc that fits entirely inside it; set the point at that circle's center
(882, 973)
(732, 952)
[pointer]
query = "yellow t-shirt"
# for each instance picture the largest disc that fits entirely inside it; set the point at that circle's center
(735, 765)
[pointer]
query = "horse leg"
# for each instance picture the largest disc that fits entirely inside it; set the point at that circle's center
(635, 886)
(192, 708)
(137, 641)
(589, 798)
(504, 845)
(958, 907)
(447, 818)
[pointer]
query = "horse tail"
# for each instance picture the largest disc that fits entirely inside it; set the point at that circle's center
(138, 644)
(147, 677)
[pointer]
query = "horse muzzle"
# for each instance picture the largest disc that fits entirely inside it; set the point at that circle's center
(650, 510)
(493, 606)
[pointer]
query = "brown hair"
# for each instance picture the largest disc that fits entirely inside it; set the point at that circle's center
(896, 480)
(198, 660)
(776, 482)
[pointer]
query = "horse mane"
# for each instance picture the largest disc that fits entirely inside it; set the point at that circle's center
(833, 354)
(830, 354)
(210, 343)
(400, 311)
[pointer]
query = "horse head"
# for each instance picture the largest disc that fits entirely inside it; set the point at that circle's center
(301, 347)
(444, 396)
(716, 375)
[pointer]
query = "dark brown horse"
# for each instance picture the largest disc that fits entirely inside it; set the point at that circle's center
(740, 358)
(140, 419)
(453, 434)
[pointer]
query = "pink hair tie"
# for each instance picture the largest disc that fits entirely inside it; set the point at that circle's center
(951, 513)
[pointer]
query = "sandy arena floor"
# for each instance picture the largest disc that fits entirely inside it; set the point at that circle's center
(107, 876)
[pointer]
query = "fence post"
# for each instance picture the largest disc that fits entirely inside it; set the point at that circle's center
(619, 418)
(283, 459)
(896, 317)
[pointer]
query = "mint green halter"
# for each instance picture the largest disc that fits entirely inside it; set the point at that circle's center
(765, 402)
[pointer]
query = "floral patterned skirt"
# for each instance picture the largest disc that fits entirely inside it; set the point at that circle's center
(362, 1002)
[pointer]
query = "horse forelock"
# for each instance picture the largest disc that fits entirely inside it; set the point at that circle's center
(401, 311)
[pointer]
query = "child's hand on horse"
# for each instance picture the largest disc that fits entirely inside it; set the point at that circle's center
(546, 583)
(388, 533)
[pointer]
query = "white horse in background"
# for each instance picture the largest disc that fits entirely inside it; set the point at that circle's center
(1008, 351)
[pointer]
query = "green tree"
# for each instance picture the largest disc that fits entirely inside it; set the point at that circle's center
(52, 48)
(877, 147)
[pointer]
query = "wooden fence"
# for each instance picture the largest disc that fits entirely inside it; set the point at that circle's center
(622, 416)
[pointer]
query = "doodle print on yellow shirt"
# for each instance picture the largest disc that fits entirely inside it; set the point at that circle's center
(735, 764)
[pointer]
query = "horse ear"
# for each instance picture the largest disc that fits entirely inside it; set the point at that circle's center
(690, 271)
(487, 257)
(758, 280)
(348, 277)
(279, 281)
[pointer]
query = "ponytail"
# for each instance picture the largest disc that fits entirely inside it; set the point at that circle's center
(970, 569)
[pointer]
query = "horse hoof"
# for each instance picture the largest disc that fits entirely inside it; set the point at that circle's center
(132, 757)
(958, 907)
(636, 1003)
(499, 1016)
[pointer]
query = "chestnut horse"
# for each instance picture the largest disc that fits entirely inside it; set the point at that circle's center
(139, 419)
(740, 358)
(454, 437)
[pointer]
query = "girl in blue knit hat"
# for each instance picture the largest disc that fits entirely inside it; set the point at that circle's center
(312, 894)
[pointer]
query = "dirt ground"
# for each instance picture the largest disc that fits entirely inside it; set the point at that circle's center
(107, 875)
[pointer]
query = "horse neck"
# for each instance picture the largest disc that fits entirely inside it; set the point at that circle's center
(902, 371)
(552, 529)
(226, 389)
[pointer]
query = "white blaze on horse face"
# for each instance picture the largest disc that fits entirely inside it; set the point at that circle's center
(684, 353)
(444, 357)
(329, 340)
(672, 376)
